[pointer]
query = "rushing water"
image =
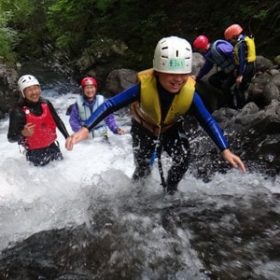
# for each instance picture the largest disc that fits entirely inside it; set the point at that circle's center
(82, 218)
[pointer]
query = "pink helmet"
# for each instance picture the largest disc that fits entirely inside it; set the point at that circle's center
(201, 42)
(88, 81)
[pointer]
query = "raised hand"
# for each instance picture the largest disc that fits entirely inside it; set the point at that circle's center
(28, 130)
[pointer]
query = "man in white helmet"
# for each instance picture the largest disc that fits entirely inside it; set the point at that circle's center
(159, 102)
(33, 123)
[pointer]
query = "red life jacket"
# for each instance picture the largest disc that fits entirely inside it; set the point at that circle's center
(44, 131)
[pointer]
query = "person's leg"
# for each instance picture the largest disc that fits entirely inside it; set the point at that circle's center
(41, 157)
(227, 90)
(217, 79)
(143, 144)
(176, 145)
(240, 91)
(34, 156)
(38, 157)
(54, 151)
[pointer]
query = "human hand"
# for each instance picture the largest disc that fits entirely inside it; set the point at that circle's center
(80, 135)
(238, 80)
(233, 160)
(28, 130)
(120, 131)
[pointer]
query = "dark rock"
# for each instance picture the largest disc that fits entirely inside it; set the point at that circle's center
(8, 88)
(120, 79)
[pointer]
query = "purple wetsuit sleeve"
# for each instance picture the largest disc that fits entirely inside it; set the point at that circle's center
(74, 119)
(111, 123)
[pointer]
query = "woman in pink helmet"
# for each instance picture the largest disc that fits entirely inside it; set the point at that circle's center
(86, 104)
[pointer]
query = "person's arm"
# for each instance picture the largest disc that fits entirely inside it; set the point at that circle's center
(17, 121)
(111, 105)
(214, 131)
(208, 123)
(242, 58)
(208, 65)
(75, 120)
(59, 123)
(111, 123)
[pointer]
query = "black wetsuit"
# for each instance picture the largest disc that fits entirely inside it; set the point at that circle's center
(17, 122)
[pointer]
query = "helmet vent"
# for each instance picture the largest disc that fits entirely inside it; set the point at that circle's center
(173, 55)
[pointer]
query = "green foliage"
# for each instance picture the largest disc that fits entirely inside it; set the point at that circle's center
(67, 30)
(20, 10)
(73, 26)
(27, 17)
(7, 38)
(104, 5)
(262, 14)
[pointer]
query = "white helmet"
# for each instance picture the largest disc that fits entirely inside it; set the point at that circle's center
(27, 81)
(173, 55)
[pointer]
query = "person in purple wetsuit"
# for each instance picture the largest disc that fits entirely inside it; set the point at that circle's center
(159, 102)
(219, 53)
(85, 105)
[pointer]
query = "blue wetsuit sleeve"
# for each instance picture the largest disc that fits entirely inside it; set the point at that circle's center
(208, 65)
(111, 105)
(242, 58)
(208, 123)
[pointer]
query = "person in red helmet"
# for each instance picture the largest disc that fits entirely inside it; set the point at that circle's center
(244, 58)
(85, 105)
(219, 53)
(201, 43)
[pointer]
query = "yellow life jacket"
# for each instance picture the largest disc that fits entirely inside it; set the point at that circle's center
(251, 50)
(148, 111)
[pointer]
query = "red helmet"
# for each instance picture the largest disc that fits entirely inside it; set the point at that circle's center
(232, 31)
(201, 43)
(88, 81)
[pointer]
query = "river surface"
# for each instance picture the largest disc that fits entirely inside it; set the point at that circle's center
(82, 218)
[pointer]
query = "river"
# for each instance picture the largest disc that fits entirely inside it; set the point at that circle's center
(82, 218)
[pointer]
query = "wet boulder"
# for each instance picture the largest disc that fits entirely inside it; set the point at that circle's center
(263, 64)
(264, 88)
(8, 88)
(120, 79)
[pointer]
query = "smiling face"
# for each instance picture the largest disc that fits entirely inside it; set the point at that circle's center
(172, 82)
(89, 92)
(32, 93)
